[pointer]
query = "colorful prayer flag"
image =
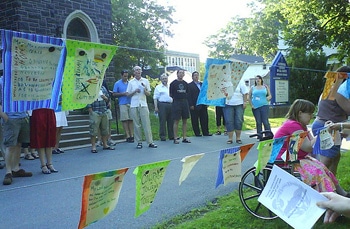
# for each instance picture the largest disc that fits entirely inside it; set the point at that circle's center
(100, 195)
(149, 177)
(85, 68)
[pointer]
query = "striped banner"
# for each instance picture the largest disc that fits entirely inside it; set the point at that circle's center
(29, 60)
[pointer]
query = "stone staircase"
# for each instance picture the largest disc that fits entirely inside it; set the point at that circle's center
(76, 134)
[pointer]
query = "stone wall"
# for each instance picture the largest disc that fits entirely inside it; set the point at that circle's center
(47, 17)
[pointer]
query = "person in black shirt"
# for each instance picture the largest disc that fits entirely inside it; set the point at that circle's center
(178, 91)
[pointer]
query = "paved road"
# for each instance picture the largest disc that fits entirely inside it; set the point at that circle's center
(54, 201)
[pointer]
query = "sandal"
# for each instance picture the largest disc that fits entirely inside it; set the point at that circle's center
(139, 146)
(218, 132)
(45, 170)
(108, 148)
(29, 157)
(185, 140)
(229, 142)
(93, 151)
(51, 168)
(176, 141)
(239, 141)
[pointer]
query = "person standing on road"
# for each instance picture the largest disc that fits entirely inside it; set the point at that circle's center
(199, 113)
(119, 91)
(99, 120)
(234, 112)
(259, 98)
(138, 88)
(179, 92)
(162, 106)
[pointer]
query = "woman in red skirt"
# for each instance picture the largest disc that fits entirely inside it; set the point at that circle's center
(43, 137)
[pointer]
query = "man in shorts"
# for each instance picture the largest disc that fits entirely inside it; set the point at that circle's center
(99, 120)
(119, 91)
(15, 132)
(179, 92)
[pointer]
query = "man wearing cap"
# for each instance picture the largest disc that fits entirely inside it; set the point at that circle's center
(119, 91)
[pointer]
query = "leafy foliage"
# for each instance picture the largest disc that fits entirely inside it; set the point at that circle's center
(306, 83)
(138, 26)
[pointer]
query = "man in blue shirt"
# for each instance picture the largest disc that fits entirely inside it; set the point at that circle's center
(119, 91)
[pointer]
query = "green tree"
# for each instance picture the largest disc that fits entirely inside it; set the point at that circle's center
(139, 27)
(306, 82)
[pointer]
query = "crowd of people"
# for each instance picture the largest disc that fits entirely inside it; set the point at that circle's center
(178, 101)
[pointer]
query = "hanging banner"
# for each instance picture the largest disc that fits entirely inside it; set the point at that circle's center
(85, 68)
(33, 69)
(188, 163)
(100, 195)
(220, 81)
(149, 177)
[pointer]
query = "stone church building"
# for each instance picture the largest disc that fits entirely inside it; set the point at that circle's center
(68, 19)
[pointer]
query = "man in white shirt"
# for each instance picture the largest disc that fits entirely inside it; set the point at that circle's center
(162, 106)
(138, 88)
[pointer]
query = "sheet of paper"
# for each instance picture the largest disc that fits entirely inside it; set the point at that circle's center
(291, 199)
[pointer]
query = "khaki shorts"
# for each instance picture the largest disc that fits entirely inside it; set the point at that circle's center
(124, 112)
(98, 121)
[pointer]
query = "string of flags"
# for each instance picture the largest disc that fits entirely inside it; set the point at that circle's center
(101, 191)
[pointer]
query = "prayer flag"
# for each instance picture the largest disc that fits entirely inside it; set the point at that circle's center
(188, 163)
(100, 195)
(85, 67)
(149, 177)
(226, 167)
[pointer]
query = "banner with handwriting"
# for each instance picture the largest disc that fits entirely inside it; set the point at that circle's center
(100, 195)
(85, 68)
(149, 177)
(33, 69)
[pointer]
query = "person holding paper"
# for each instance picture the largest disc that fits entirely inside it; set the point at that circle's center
(336, 205)
(312, 171)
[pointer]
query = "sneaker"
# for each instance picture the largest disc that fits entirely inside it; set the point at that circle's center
(59, 150)
(29, 157)
(55, 151)
(98, 143)
(7, 179)
(152, 145)
(21, 173)
(111, 142)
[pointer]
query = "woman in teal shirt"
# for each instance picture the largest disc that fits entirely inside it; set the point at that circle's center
(259, 99)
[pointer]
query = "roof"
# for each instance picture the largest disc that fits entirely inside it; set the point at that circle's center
(247, 58)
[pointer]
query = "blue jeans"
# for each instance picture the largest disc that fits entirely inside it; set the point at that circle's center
(233, 117)
(261, 115)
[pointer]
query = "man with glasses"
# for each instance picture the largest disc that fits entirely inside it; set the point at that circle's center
(138, 88)
(119, 91)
